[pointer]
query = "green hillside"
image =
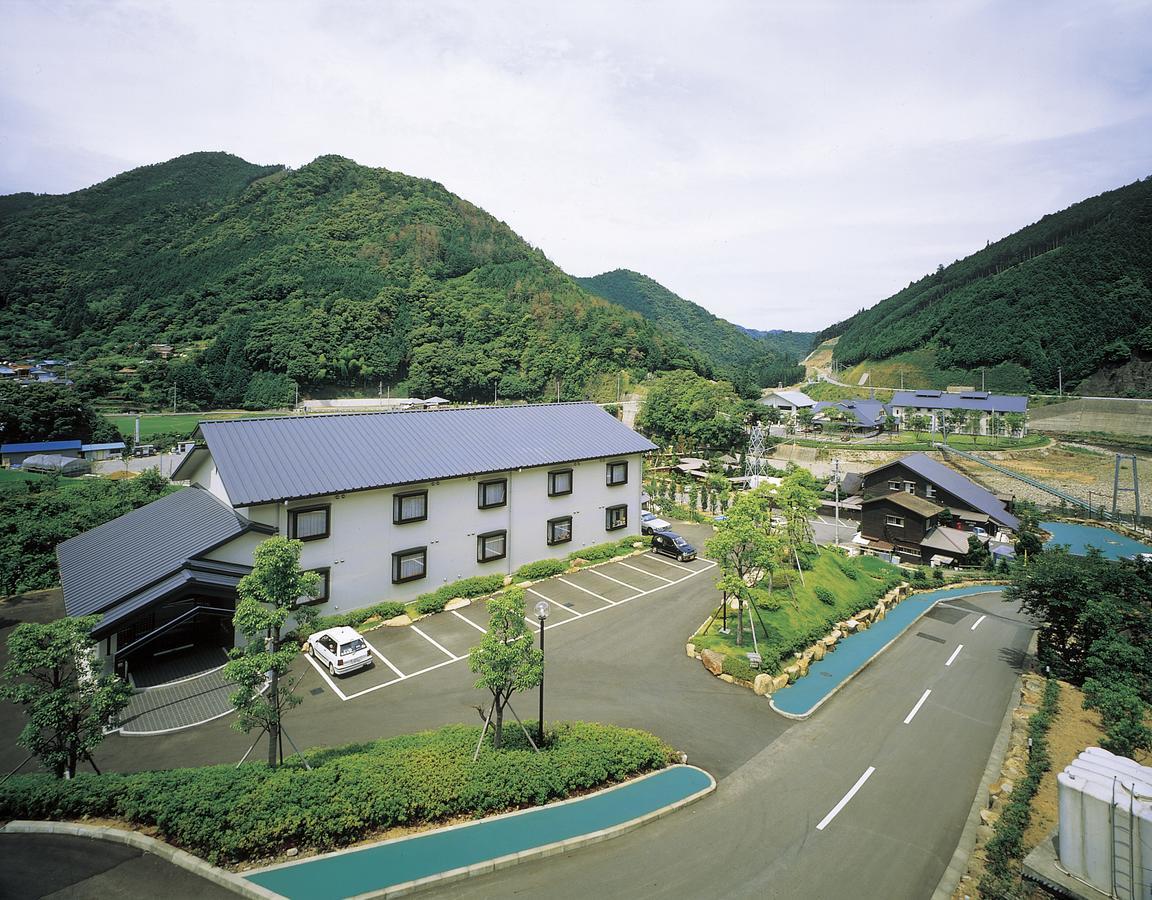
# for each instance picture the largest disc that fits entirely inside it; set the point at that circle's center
(1069, 292)
(331, 274)
(735, 353)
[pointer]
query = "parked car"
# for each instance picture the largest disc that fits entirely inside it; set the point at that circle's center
(671, 544)
(340, 650)
(650, 522)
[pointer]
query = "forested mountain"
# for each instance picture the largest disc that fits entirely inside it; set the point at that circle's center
(330, 274)
(1065, 292)
(792, 344)
(736, 354)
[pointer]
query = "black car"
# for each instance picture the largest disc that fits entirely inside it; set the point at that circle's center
(671, 544)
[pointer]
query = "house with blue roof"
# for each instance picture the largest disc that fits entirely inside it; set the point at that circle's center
(15, 454)
(387, 505)
(938, 408)
(857, 415)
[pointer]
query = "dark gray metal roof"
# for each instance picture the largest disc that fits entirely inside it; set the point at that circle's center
(102, 567)
(957, 485)
(978, 400)
(267, 460)
(191, 575)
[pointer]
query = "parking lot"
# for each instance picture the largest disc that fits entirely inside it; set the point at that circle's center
(433, 642)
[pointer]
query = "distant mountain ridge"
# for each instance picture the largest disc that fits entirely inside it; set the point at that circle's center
(333, 273)
(1065, 297)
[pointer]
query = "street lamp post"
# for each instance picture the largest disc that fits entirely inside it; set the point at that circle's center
(541, 614)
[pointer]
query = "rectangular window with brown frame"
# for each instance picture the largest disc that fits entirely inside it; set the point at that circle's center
(411, 506)
(491, 546)
(491, 494)
(310, 523)
(409, 565)
(615, 517)
(560, 530)
(617, 473)
(559, 482)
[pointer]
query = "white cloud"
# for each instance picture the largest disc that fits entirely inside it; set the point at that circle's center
(783, 165)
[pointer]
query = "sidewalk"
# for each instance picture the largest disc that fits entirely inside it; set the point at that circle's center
(399, 866)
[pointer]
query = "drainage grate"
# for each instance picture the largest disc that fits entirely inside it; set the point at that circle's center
(316, 692)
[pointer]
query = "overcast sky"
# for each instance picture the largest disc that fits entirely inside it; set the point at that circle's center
(782, 164)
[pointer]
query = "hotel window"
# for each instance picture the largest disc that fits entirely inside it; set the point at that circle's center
(410, 507)
(409, 565)
(560, 530)
(618, 472)
(321, 594)
(559, 482)
(309, 523)
(492, 493)
(615, 517)
(490, 546)
(894, 521)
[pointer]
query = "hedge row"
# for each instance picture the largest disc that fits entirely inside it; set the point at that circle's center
(230, 815)
(477, 586)
(387, 610)
(602, 552)
(1000, 881)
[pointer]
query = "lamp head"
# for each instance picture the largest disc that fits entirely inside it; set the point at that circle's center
(542, 609)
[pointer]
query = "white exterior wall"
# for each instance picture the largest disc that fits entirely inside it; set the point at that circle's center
(362, 537)
(938, 417)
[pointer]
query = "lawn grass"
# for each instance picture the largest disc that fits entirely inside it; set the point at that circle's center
(801, 617)
(15, 476)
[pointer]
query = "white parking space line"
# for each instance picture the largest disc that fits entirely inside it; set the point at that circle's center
(822, 520)
(976, 624)
(668, 562)
(468, 621)
(423, 671)
(585, 590)
(916, 708)
(435, 643)
(644, 572)
(955, 653)
(844, 801)
(570, 612)
(621, 583)
(332, 684)
(386, 661)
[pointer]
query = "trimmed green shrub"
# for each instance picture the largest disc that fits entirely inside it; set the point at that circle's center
(825, 596)
(229, 815)
(356, 617)
(738, 667)
(426, 604)
(601, 552)
(938, 575)
(542, 568)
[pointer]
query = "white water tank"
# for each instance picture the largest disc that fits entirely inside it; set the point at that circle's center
(1106, 823)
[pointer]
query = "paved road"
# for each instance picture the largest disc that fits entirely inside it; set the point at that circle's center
(778, 778)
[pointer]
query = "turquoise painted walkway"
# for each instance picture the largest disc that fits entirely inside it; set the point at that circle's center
(801, 698)
(352, 872)
(1079, 538)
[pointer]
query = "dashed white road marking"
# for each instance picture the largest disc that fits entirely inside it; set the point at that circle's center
(844, 801)
(435, 643)
(976, 624)
(916, 708)
(570, 612)
(649, 574)
(955, 653)
(468, 621)
(586, 591)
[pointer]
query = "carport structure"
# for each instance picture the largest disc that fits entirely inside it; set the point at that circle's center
(161, 580)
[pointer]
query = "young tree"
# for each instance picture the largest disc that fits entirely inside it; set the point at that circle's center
(957, 418)
(745, 549)
(505, 659)
(1029, 539)
(1014, 423)
(269, 597)
(972, 419)
(805, 417)
(918, 423)
(978, 553)
(68, 707)
(799, 497)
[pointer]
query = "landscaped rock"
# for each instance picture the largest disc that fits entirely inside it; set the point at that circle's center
(457, 603)
(508, 580)
(988, 816)
(779, 682)
(578, 562)
(818, 652)
(713, 661)
(793, 672)
(691, 648)
(803, 666)
(724, 676)
(637, 545)
(397, 621)
(851, 626)
(762, 684)
(864, 616)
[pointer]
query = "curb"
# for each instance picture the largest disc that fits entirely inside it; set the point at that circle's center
(958, 864)
(800, 717)
(512, 859)
(167, 852)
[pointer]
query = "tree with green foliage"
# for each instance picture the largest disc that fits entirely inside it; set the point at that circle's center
(745, 549)
(804, 417)
(978, 553)
(68, 706)
(1029, 538)
(918, 423)
(49, 412)
(1014, 422)
(972, 420)
(269, 597)
(684, 408)
(798, 497)
(505, 660)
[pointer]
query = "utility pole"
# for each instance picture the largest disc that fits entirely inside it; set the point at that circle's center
(981, 378)
(836, 479)
(173, 398)
(1060, 375)
(901, 379)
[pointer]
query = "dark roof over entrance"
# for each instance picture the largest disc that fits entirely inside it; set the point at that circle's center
(288, 457)
(102, 567)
